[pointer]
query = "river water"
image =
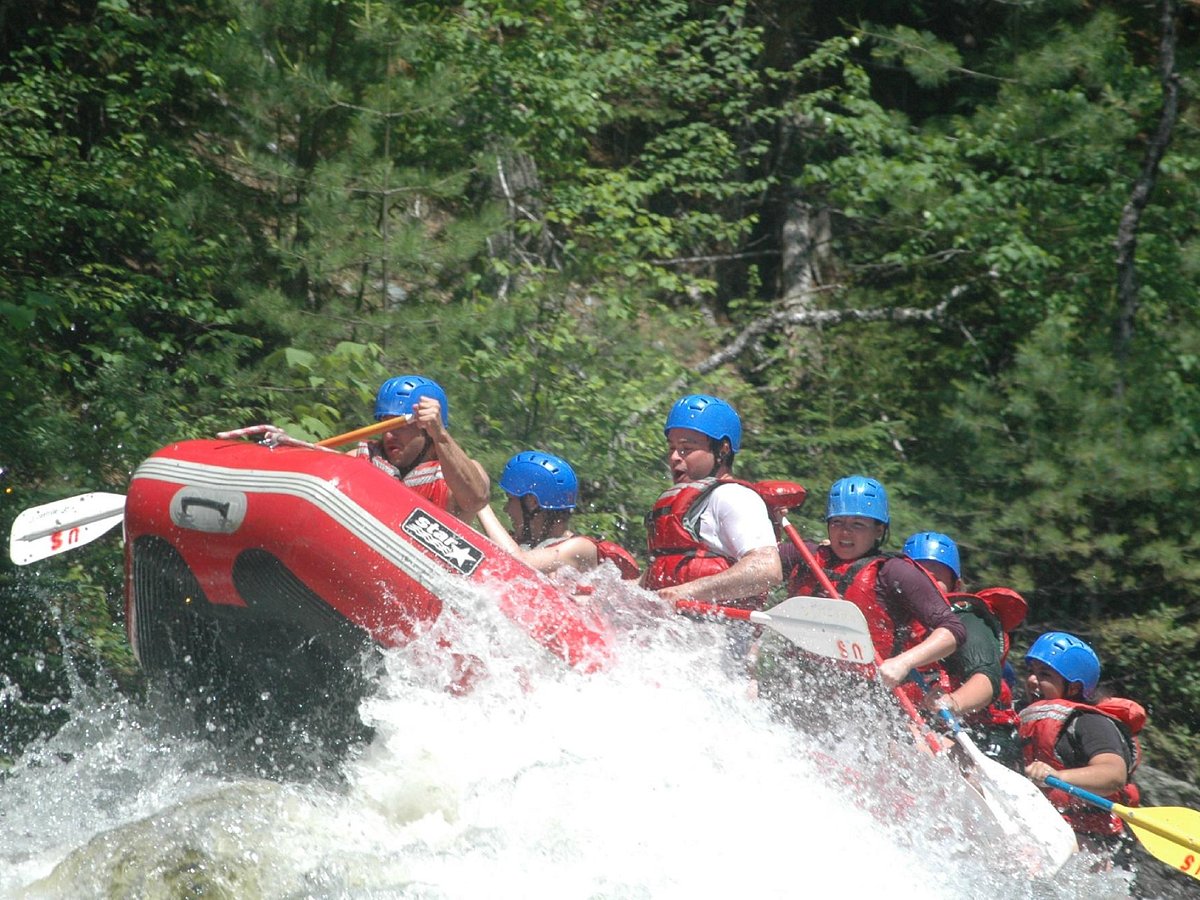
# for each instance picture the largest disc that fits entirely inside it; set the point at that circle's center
(663, 777)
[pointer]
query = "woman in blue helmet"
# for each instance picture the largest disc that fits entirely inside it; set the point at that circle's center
(709, 537)
(910, 620)
(542, 493)
(1068, 732)
(421, 452)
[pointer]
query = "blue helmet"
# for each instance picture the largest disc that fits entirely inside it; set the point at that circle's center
(1069, 657)
(549, 478)
(708, 415)
(933, 546)
(399, 395)
(858, 495)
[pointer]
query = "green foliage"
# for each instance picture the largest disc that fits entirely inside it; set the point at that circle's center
(1155, 658)
(1077, 494)
(529, 387)
(309, 393)
(930, 61)
(106, 302)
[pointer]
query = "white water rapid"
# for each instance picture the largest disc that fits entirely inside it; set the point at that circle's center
(660, 778)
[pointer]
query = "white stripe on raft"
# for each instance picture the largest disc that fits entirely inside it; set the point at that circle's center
(328, 499)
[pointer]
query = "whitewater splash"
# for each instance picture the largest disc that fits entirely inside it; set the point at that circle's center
(661, 778)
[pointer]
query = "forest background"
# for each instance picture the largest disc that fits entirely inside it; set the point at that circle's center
(952, 245)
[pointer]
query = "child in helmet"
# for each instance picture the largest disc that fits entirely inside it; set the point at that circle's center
(971, 683)
(911, 624)
(542, 493)
(1087, 742)
(910, 620)
(709, 536)
(421, 452)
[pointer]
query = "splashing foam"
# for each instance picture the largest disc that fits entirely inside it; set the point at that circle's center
(664, 777)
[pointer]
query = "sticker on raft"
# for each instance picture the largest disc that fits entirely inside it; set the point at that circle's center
(442, 542)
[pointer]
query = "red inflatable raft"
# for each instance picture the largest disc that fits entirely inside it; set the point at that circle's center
(287, 560)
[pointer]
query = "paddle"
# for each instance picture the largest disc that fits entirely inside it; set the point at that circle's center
(72, 522)
(63, 525)
(1169, 833)
(365, 432)
(832, 628)
(273, 435)
(1019, 806)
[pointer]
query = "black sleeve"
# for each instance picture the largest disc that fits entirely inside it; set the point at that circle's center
(907, 588)
(1088, 735)
(979, 653)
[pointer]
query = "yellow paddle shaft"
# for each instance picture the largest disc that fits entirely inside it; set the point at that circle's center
(365, 432)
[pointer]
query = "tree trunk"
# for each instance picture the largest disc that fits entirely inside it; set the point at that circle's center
(1126, 241)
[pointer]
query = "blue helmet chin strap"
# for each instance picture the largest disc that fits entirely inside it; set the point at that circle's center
(526, 536)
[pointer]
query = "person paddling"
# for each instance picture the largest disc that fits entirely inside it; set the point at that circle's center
(1068, 731)
(543, 492)
(971, 683)
(421, 452)
(910, 620)
(709, 536)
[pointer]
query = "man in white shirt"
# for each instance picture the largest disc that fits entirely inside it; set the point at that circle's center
(710, 537)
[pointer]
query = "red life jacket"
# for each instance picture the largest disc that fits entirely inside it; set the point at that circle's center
(426, 480)
(1043, 723)
(677, 555)
(618, 555)
(856, 581)
(373, 451)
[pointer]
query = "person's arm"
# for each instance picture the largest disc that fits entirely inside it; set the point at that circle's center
(1097, 760)
(976, 665)
(789, 556)
(579, 553)
(467, 480)
(496, 532)
(755, 573)
(904, 585)
(1104, 773)
(939, 644)
(973, 694)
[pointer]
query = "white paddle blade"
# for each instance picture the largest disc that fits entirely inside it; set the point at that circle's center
(63, 525)
(1022, 810)
(833, 628)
